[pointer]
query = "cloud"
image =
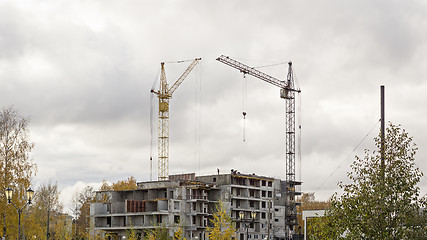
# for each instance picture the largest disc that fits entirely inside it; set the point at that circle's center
(83, 72)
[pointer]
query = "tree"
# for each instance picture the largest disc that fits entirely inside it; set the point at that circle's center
(383, 201)
(122, 185)
(81, 203)
(47, 210)
(158, 233)
(16, 166)
(308, 202)
(179, 233)
(223, 226)
(132, 234)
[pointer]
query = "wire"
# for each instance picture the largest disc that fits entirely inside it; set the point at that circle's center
(296, 79)
(151, 134)
(197, 115)
(244, 106)
(180, 61)
(200, 66)
(152, 129)
(259, 61)
(299, 136)
(346, 158)
(270, 65)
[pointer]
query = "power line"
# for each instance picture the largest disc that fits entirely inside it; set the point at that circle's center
(346, 158)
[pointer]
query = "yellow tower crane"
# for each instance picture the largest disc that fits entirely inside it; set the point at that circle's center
(164, 94)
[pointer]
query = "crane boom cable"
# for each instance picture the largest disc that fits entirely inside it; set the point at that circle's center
(183, 76)
(181, 61)
(271, 65)
(251, 71)
(257, 60)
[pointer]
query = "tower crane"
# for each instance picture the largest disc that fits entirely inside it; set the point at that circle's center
(287, 91)
(165, 94)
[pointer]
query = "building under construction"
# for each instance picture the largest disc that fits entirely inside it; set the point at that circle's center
(256, 204)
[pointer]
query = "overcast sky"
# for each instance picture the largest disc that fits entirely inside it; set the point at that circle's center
(83, 70)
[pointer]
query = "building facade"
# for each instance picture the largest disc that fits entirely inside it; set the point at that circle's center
(255, 203)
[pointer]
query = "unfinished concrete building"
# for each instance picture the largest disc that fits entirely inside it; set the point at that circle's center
(256, 204)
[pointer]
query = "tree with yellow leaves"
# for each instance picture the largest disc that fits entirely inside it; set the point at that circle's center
(179, 233)
(16, 167)
(122, 185)
(158, 233)
(223, 226)
(309, 202)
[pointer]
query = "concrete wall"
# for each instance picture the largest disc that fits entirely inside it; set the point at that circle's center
(221, 179)
(98, 208)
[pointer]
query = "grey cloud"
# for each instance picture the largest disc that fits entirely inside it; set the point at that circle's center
(88, 67)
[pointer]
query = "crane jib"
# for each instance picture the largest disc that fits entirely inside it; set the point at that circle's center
(245, 69)
(287, 92)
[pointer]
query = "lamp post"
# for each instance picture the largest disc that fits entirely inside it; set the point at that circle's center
(242, 215)
(9, 193)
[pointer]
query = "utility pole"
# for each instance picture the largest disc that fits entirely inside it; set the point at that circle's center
(382, 166)
(382, 131)
(268, 222)
(47, 227)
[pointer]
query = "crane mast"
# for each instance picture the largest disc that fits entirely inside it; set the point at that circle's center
(165, 94)
(287, 91)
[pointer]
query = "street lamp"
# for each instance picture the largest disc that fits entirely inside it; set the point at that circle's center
(9, 193)
(242, 215)
(253, 215)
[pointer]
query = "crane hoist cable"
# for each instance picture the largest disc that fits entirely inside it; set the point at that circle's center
(197, 113)
(152, 129)
(298, 119)
(244, 91)
(152, 134)
(244, 106)
(299, 138)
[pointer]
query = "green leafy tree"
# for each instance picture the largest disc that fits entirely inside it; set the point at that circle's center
(16, 166)
(223, 227)
(381, 202)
